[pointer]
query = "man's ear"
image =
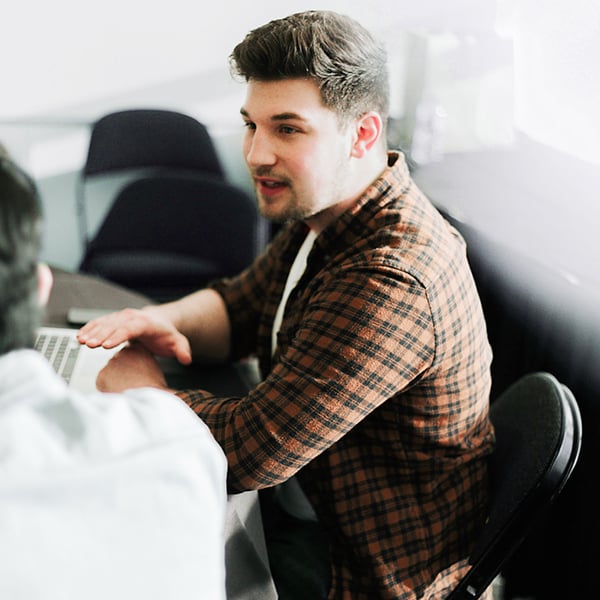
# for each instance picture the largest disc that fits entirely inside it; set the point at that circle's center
(367, 131)
(45, 281)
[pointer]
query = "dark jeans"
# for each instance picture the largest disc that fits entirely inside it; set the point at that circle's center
(298, 553)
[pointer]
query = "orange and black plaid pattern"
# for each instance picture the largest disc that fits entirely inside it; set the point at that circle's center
(377, 396)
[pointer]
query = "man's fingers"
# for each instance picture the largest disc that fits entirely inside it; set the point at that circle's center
(183, 352)
(113, 329)
(159, 337)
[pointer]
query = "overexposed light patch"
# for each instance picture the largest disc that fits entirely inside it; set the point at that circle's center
(59, 154)
(557, 79)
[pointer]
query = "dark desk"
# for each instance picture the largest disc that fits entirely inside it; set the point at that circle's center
(248, 575)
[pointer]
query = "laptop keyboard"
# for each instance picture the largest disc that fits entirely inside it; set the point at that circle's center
(61, 351)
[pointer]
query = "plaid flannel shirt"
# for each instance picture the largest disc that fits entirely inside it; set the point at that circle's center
(377, 397)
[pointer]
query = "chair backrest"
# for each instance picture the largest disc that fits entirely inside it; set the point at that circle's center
(150, 138)
(538, 440)
(143, 140)
(169, 234)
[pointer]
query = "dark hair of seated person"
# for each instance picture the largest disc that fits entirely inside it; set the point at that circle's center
(20, 243)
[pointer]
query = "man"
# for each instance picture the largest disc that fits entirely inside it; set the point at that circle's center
(364, 317)
(101, 496)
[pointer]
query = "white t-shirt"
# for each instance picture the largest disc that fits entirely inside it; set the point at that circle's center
(105, 496)
(296, 271)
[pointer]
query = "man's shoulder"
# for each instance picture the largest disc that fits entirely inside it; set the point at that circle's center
(406, 232)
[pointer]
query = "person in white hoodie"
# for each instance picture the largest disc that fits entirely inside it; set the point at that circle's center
(114, 496)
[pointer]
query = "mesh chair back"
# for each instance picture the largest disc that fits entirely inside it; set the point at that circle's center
(150, 138)
(129, 143)
(166, 235)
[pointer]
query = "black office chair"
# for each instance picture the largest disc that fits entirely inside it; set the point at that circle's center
(538, 439)
(140, 140)
(168, 235)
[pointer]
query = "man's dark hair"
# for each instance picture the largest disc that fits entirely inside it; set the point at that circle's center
(20, 241)
(335, 51)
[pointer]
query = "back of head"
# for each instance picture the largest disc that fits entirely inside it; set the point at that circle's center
(20, 241)
(337, 52)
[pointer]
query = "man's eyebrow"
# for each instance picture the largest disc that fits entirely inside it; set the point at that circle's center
(286, 116)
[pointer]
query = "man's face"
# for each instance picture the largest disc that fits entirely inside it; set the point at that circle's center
(295, 150)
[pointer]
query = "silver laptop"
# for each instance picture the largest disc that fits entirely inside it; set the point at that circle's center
(78, 365)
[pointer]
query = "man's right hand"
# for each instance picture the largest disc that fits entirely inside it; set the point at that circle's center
(147, 326)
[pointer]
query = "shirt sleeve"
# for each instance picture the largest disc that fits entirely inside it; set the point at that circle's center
(363, 337)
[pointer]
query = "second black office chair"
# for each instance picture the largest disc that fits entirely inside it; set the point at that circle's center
(538, 439)
(168, 235)
(135, 140)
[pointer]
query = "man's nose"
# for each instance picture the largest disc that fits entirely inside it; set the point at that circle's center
(260, 151)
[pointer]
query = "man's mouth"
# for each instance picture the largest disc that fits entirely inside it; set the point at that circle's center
(268, 186)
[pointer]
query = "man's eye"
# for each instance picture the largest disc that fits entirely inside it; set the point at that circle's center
(249, 125)
(286, 129)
